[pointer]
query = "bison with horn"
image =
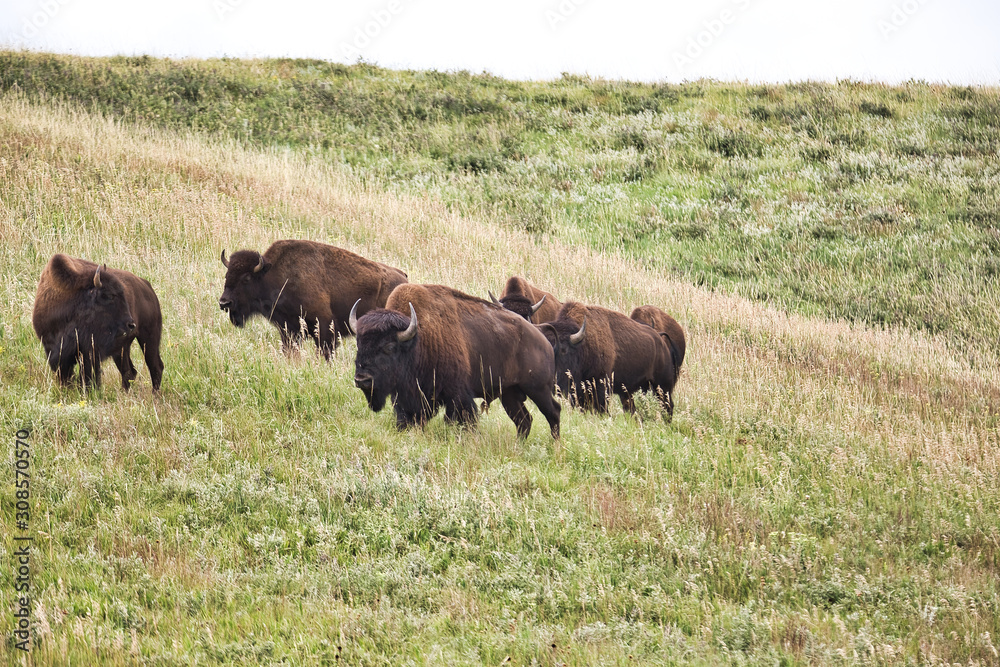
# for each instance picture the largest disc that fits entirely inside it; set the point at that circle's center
(433, 346)
(86, 313)
(531, 303)
(304, 288)
(599, 351)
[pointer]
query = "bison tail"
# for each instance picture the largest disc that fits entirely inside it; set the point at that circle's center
(675, 356)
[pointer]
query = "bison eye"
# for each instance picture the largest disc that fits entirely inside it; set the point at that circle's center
(246, 278)
(389, 348)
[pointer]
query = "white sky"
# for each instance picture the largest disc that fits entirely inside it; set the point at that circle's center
(952, 41)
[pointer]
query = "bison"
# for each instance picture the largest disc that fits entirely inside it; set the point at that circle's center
(461, 348)
(86, 313)
(304, 288)
(531, 303)
(599, 351)
(665, 324)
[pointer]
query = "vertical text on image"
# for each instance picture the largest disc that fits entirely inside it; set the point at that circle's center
(22, 548)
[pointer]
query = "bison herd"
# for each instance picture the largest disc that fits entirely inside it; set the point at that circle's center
(424, 347)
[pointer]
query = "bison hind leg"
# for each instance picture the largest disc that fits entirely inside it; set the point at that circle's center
(154, 362)
(667, 401)
(513, 403)
(549, 407)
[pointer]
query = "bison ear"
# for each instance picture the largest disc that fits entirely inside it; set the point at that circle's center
(97, 278)
(225, 262)
(411, 330)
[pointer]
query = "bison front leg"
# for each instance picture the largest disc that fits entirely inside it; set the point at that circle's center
(123, 360)
(513, 403)
(406, 419)
(462, 410)
(290, 343)
(594, 396)
(64, 369)
(628, 403)
(327, 339)
(90, 370)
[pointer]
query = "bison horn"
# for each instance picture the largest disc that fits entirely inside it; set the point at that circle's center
(352, 319)
(225, 262)
(534, 309)
(260, 265)
(577, 338)
(494, 299)
(411, 330)
(97, 278)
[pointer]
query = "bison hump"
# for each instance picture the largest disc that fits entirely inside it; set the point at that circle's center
(67, 274)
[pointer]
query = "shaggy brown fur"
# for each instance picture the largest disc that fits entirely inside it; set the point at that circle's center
(79, 320)
(464, 348)
(305, 288)
(665, 324)
(616, 355)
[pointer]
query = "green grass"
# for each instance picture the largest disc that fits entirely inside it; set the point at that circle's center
(872, 203)
(826, 492)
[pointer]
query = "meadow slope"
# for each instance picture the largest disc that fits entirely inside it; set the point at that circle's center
(825, 493)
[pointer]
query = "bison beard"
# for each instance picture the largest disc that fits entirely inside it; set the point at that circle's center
(412, 405)
(85, 314)
(459, 348)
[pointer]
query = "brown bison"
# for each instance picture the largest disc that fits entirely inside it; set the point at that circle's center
(665, 324)
(599, 351)
(461, 348)
(304, 288)
(531, 303)
(86, 313)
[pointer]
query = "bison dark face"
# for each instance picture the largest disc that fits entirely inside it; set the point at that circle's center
(245, 293)
(109, 312)
(384, 363)
(566, 339)
(102, 321)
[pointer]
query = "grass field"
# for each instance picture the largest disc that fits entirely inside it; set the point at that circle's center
(826, 492)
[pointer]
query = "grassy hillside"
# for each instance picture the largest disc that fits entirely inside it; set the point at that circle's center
(866, 202)
(827, 490)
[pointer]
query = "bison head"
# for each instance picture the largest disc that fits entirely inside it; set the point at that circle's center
(101, 319)
(519, 304)
(566, 340)
(384, 364)
(244, 293)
